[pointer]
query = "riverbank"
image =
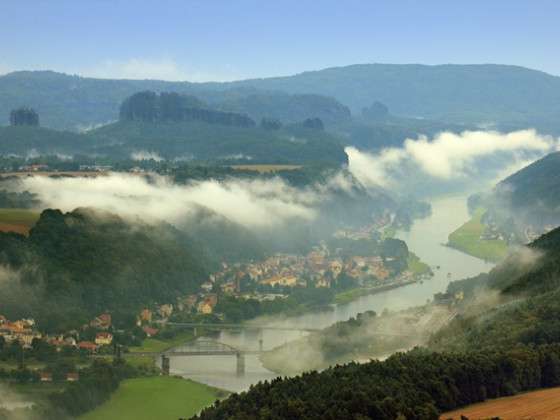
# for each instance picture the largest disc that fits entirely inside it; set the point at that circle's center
(353, 294)
(420, 272)
(468, 238)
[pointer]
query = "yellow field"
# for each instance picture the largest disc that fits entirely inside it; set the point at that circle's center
(266, 168)
(17, 220)
(537, 405)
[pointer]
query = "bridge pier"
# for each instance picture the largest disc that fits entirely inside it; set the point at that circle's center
(240, 358)
(165, 364)
(260, 344)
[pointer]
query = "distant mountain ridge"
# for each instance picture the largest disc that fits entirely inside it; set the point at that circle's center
(500, 96)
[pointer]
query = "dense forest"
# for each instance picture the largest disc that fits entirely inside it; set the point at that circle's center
(73, 266)
(203, 141)
(149, 106)
(24, 116)
(417, 385)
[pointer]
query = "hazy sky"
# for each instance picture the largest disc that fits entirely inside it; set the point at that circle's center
(231, 39)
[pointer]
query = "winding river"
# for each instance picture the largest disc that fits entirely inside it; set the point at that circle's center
(426, 239)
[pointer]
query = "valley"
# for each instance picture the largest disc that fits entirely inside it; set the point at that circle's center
(285, 210)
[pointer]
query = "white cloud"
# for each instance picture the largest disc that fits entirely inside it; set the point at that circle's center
(374, 169)
(448, 155)
(145, 155)
(254, 204)
(155, 69)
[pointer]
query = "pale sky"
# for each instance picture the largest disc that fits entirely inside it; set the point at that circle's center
(201, 40)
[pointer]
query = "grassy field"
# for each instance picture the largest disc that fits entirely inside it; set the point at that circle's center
(17, 220)
(158, 397)
(416, 265)
(266, 168)
(467, 239)
(537, 405)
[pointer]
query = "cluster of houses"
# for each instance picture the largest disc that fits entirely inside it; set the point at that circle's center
(367, 231)
(317, 269)
(34, 168)
(201, 303)
(24, 332)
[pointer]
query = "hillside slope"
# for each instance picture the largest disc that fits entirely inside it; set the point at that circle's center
(182, 140)
(525, 204)
(460, 93)
(203, 141)
(73, 266)
(517, 302)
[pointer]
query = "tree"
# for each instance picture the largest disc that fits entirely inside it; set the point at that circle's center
(271, 124)
(376, 111)
(24, 117)
(313, 123)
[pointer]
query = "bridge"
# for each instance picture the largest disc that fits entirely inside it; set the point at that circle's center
(207, 348)
(226, 326)
(230, 326)
(202, 347)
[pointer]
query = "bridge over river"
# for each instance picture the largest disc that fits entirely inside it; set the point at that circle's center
(200, 348)
(210, 347)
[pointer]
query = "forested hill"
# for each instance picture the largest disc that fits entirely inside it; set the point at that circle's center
(535, 185)
(176, 126)
(518, 302)
(508, 96)
(73, 266)
(526, 202)
(200, 140)
(78, 103)
(486, 93)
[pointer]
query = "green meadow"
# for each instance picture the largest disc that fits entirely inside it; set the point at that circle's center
(467, 239)
(159, 397)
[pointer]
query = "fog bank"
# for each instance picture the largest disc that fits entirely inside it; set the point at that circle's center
(449, 157)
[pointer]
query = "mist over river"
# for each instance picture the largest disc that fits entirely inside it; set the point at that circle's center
(426, 238)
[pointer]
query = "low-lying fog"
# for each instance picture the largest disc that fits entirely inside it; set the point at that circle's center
(446, 163)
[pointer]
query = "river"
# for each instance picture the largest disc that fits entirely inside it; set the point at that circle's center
(426, 239)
